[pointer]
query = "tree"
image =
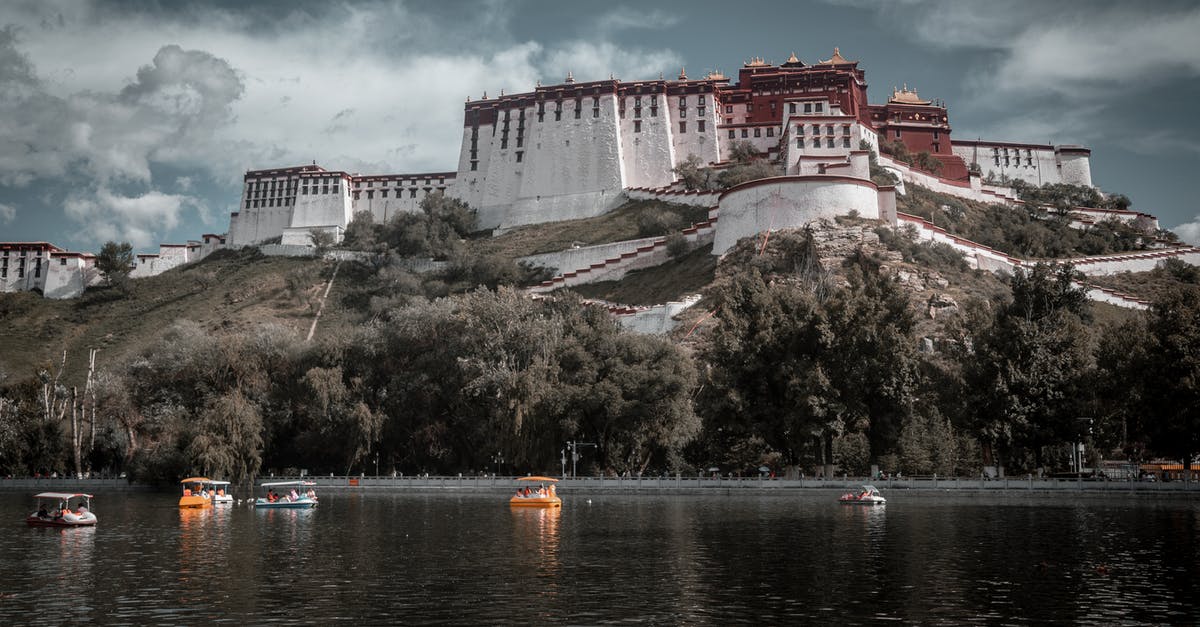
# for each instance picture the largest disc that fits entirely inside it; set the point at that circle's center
(361, 232)
(742, 152)
(1170, 375)
(1027, 372)
(321, 240)
(114, 262)
(691, 173)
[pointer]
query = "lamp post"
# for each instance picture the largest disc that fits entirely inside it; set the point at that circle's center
(564, 463)
(574, 448)
(497, 459)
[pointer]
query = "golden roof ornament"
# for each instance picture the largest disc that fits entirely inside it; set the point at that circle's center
(906, 96)
(837, 59)
(683, 74)
(756, 62)
(793, 58)
(570, 77)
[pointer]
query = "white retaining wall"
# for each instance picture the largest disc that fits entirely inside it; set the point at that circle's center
(788, 202)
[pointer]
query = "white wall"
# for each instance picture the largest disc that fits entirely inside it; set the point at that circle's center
(788, 203)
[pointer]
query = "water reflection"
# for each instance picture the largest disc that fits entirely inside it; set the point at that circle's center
(536, 533)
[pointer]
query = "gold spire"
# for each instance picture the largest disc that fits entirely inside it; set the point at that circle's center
(837, 59)
(683, 74)
(793, 58)
(756, 62)
(570, 77)
(485, 94)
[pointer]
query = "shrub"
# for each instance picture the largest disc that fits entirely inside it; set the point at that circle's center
(677, 245)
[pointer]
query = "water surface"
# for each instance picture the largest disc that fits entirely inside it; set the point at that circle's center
(389, 557)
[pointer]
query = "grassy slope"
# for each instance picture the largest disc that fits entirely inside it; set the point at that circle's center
(617, 225)
(225, 292)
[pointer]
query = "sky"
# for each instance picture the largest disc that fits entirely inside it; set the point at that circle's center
(135, 121)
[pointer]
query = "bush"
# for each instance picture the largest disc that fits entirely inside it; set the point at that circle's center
(654, 222)
(677, 245)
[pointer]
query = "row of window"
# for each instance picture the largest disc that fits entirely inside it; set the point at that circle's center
(829, 142)
(701, 126)
(398, 183)
(757, 132)
(816, 129)
(1015, 160)
(383, 193)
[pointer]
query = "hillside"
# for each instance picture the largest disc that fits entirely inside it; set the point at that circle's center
(224, 292)
(233, 290)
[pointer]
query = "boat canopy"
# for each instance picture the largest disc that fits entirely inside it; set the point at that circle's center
(279, 483)
(550, 479)
(197, 480)
(870, 488)
(60, 495)
(215, 482)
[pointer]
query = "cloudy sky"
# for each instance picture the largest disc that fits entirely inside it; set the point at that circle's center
(135, 120)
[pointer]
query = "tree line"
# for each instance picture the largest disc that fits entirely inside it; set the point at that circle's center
(798, 368)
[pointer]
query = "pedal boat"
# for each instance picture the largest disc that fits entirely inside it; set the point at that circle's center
(72, 509)
(306, 496)
(202, 492)
(546, 497)
(868, 495)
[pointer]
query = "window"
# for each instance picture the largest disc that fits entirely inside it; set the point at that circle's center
(682, 112)
(520, 142)
(816, 129)
(829, 142)
(383, 193)
(829, 129)
(816, 143)
(653, 110)
(557, 115)
(808, 107)
(356, 194)
(936, 147)
(800, 142)
(845, 142)
(682, 126)
(412, 193)
(729, 120)
(700, 126)
(846, 129)
(370, 194)
(758, 132)
(745, 133)
(897, 133)
(637, 111)
(62, 261)
(577, 111)
(799, 129)
(791, 107)
(820, 107)
(728, 109)
(520, 156)
(504, 143)
(700, 112)
(304, 190)
(732, 134)
(595, 112)
(935, 134)
(770, 131)
(683, 102)
(474, 166)
(637, 126)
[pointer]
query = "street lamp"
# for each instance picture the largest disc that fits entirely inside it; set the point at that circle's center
(574, 447)
(497, 459)
(564, 463)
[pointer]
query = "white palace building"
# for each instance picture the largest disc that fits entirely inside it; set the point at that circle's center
(579, 149)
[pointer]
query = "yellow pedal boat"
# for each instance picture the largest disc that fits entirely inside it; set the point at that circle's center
(541, 496)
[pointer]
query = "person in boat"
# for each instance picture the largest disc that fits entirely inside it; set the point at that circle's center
(294, 495)
(520, 493)
(312, 494)
(42, 512)
(271, 496)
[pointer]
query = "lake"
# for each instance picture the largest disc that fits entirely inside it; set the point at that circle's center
(444, 557)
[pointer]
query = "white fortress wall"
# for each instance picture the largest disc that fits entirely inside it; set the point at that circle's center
(789, 202)
(692, 198)
(472, 172)
(647, 142)
(693, 134)
(69, 275)
(1033, 163)
(385, 196)
(1075, 165)
(963, 190)
(658, 319)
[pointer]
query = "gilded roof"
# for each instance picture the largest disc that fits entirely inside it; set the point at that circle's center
(906, 96)
(837, 59)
